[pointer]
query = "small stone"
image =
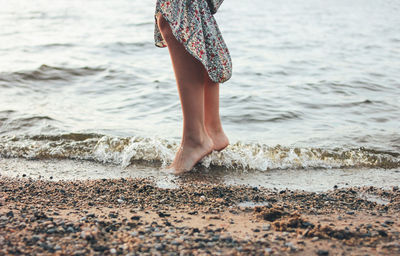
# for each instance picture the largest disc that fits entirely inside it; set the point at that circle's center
(288, 244)
(291, 246)
(50, 231)
(163, 214)
(46, 246)
(266, 227)
(159, 247)
(120, 201)
(176, 242)
(36, 238)
(322, 253)
(268, 250)
(210, 244)
(99, 248)
(227, 239)
(112, 215)
(86, 235)
(215, 238)
(158, 235)
(315, 238)
(113, 251)
(382, 233)
(389, 222)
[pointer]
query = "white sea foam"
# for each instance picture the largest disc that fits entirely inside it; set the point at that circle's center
(160, 152)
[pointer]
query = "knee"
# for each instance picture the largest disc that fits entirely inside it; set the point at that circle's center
(164, 27)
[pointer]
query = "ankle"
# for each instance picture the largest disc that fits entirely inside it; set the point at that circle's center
(213, 126)
(216, 129)
(195, 139)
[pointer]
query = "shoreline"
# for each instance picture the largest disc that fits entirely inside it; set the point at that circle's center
(312, 180)
(128, 216)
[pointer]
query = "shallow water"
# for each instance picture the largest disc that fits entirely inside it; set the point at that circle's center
(317, 180)
(315, 85)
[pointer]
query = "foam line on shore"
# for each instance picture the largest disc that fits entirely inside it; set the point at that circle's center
(125, 151)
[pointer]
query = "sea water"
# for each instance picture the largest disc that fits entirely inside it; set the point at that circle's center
(315, 89)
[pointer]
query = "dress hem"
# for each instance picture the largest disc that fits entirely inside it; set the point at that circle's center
(162, 45)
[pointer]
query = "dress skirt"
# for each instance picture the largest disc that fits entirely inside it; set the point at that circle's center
(194, 26)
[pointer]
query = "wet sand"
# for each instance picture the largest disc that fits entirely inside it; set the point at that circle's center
(309, 179)
(134, 216)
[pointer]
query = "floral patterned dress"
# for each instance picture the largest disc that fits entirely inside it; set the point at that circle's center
(195, 27)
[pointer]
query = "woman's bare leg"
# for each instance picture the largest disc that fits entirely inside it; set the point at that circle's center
(211, 114)
(196, 143)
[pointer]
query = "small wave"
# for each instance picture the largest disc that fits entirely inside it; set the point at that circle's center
(48, 73)
(11, 124)
(239, 156)
(261, 117)
(67, 136)
(7, 112)
(56, 45)
(321, 105)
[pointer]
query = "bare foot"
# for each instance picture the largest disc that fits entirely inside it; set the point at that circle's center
(189, 153)
(220, 140)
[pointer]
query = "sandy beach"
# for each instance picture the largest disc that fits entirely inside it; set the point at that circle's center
(133, 216)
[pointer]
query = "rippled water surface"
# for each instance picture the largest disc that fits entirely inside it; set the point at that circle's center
(316, 84)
